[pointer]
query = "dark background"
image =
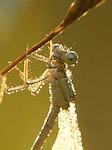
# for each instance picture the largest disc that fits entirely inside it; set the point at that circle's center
(22, 115)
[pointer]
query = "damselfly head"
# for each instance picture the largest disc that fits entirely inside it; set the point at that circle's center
(64, 54)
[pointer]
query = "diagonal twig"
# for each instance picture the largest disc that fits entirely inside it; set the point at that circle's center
(77, 9)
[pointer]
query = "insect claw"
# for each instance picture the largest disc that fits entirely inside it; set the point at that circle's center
(33, 94)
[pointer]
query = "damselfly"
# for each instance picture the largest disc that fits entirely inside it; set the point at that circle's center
(62, 96)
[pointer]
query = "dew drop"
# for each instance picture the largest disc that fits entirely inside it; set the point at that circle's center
(37, 92)
(8, 93)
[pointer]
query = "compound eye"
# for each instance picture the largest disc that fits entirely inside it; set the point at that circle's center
(71, 58)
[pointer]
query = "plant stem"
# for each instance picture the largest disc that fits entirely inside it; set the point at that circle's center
(77, 9)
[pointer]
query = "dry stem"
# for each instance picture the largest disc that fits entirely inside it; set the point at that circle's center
(77, 9)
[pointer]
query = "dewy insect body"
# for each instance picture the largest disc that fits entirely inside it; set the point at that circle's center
(61, 88)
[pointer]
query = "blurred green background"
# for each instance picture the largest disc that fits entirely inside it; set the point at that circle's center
(22, 115)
